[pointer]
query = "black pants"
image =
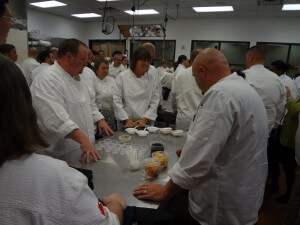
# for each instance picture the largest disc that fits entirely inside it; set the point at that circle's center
(273, 155)
(287, 158)
(174, 211)
(165, 93)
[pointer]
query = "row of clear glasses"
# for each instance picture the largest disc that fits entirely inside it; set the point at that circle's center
(114, 147)
(123, 154)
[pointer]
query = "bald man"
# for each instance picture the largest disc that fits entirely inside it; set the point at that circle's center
(30, 64)
(54, 52)
(223, 163)
(267, 85)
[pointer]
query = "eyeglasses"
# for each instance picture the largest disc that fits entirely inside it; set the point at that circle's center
(12, 20)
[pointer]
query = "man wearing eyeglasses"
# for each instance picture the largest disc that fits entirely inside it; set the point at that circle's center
(5, 20)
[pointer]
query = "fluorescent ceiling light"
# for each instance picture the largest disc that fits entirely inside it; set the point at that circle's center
(86, 15)
(107, 0)
(214, 9)
(291, 7)
(142, 12)
(48, 4)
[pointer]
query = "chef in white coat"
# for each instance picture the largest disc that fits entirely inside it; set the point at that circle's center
(223, 163)
(136, 93)
(30, 64)
(104, 87)
(182, 63)
(38, 189)
(279, 67)
(185, 96)
(63, 103)
(46, 59)
(88, 77)
(116, 67)
(267, 84)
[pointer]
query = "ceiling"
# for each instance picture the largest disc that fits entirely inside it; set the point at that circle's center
(242, 8)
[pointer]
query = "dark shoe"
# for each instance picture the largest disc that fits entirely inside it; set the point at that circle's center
(283, 199)
(272, 188)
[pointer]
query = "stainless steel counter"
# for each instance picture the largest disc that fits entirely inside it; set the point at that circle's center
(109, 177)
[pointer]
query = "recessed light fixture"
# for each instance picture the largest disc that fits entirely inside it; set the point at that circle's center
(214, 9)
(289, 7)
(142, 12)
(86, 15)
(48, 4)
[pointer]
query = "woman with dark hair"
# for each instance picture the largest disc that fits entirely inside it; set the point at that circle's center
(136, 94)
(279, 67)
(104, 97)
(181, 64)
(37, 189)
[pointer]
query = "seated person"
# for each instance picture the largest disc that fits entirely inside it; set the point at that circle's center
(37, 189)
(136, 93)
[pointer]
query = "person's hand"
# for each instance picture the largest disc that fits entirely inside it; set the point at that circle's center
(178, 152)
(88, 150)
(129, 123)
(103, 126)
(142, 122)
(152, 192)
(115, 197)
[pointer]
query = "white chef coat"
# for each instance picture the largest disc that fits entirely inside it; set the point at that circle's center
(115, 71)
(297, 81)
(166, 79)
(179, 68)
(223, 163)
(28, 66)
(154, 72)
(135, 98)
(271, 90)
(187, 97)
(297, 143)
(288, 82)
(161, 70)
(62, 105)
(104, 100)
(38, 70)
(42, 190)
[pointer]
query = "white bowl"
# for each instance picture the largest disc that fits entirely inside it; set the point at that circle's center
(152, 129)
(131, 130)
(166, 130)
(177, 133)
(142, 133)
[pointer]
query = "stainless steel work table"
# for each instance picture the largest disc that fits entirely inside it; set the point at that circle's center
(109, 177)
